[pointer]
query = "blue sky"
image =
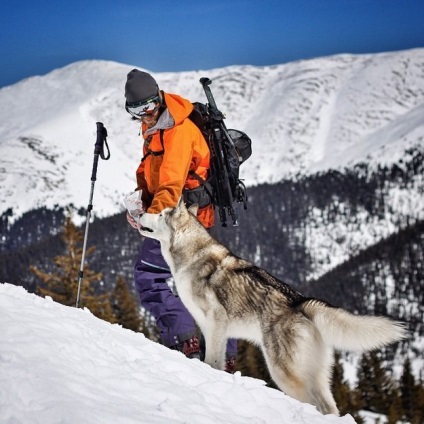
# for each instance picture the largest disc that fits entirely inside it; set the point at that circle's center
(39, 36)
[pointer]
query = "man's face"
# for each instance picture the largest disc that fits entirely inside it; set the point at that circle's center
(147, 112)
(150, 120)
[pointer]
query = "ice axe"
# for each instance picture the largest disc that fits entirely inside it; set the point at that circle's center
(98, 151)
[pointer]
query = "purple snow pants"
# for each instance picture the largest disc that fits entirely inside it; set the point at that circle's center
(172, 318)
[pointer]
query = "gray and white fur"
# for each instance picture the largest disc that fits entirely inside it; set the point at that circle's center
(230, 297)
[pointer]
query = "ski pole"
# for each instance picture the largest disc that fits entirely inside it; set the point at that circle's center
(98, 151)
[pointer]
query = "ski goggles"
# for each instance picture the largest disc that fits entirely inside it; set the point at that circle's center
(144, 108)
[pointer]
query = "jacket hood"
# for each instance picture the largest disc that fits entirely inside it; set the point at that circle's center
(179, 107)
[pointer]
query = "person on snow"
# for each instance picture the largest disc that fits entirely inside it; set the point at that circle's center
(173, 146)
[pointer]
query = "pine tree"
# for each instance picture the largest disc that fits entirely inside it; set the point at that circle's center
(125, 307)
(339, 387)
(374, 385)
(419, 402)
(407, 389)
(412, 395)
(62, 286)
(395, 412)
(345, 397)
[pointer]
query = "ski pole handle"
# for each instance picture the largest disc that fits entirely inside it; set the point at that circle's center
(101, 136)
(101, 142)
(99, 147)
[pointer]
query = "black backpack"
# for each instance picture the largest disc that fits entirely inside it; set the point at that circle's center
(228, 150)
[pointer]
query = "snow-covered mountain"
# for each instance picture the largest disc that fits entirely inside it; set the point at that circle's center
(303, 117)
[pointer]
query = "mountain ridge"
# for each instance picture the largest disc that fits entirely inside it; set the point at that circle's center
(303, 117)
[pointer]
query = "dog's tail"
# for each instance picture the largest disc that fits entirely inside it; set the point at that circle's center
(343, 330)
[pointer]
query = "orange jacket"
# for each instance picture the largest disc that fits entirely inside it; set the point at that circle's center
(163, 177)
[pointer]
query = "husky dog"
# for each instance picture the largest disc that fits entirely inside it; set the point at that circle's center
(231, 298)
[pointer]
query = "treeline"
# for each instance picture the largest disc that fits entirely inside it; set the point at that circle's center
(401, 400)
(272, 234)
(360, 285)
(272, 231)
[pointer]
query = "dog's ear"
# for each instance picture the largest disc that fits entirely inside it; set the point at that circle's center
(193, 209)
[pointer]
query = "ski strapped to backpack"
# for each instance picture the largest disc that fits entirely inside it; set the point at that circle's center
(228, 150)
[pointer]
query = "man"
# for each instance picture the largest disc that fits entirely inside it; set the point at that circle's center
(173, 146)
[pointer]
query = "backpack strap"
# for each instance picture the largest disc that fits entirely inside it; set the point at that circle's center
(161, 131)
(203, 183)
(197, 177)
(153, 153)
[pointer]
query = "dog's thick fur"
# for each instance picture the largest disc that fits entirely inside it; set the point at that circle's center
(230, 297)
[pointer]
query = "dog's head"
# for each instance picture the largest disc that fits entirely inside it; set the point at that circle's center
(163, 225)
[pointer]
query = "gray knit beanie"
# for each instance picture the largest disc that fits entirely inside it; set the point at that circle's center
(140, 86)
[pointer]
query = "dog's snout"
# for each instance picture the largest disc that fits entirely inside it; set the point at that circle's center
(149, 230)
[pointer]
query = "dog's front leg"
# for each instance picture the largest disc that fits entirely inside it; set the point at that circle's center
(216, 340)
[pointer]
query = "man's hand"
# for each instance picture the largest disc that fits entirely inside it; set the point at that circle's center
(132, 221)
(134, 204)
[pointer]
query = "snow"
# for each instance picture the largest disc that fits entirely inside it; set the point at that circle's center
(63, 365)
(303, 117)
(372, 418)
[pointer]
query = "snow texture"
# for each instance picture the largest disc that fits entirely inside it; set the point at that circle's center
(63, 365)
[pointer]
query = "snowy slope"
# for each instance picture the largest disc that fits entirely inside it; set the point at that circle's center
(303, 117)
(61, 364)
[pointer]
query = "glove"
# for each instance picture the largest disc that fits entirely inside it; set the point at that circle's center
(132, 221)
(135, 208)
